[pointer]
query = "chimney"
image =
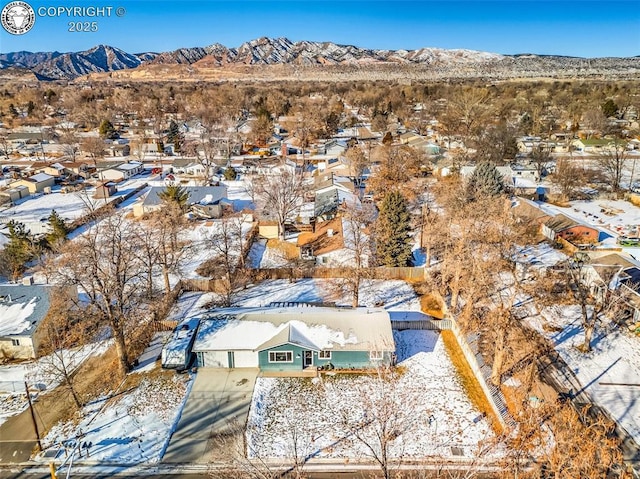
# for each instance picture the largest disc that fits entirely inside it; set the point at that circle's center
(329, 232)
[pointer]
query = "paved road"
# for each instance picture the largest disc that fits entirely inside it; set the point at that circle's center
(218, 398)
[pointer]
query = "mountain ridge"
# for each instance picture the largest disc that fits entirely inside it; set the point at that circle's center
(266, 51)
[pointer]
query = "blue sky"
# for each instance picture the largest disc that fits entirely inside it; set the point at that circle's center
(578, 28)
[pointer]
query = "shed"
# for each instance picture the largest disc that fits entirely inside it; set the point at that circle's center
(105, 190)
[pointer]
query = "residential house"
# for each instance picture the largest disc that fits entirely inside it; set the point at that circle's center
(119, 149)
(597, 145)
(204, 201)
(329, 201)
(22, 309)
(122, 172)
(77, 169)
(56, 170)
(332, 244)
(295, 338)
(524, 173)
(561, 226)
(36, 183)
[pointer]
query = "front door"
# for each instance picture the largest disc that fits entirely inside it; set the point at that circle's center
(231, 359)
(308, 359)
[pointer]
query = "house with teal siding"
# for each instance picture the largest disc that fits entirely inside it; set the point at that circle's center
(281, 339)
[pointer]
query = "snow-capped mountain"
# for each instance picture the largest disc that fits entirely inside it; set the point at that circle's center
(282, 51)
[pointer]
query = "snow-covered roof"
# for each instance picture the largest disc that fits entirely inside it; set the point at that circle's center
(129, 166)
(40, 177)
(318, 328)
(22, 308)
(203, 195)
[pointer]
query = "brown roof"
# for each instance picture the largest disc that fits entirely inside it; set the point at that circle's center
(561, 222)
(319, 241)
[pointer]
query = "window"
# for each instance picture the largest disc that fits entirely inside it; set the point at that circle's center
(15, 342)
(376, 355)
(280, 356)
(324, 355)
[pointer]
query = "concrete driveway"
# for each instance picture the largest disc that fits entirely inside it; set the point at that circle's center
(218, 398)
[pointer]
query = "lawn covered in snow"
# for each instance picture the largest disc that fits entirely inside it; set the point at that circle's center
(429, 410)
(610, 373)
(396, 296)
(126, 428)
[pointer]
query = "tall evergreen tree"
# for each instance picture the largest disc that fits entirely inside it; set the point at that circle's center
(485, 180)
(17, 252)
(175, 136)
(106, 129)
(175, 194)
(59, 230)
(392, 238)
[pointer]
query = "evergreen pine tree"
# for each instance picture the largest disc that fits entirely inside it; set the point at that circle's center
(17, 252)
(106, 129)
(393, 246)
(230, 174)
(174, 136)
(485, 180)
(175, 194)
(59, 230)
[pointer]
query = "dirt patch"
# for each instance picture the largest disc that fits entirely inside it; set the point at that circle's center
(432, 305)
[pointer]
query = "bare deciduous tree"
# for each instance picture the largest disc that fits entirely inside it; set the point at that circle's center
(595, 296)
(104, 263)
(612, 161)
(66, 329)
(227, 243)
(282, 194)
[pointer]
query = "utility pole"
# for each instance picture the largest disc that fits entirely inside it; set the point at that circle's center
(33, 416)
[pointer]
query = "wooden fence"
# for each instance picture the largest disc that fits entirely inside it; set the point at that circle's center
(255, 275)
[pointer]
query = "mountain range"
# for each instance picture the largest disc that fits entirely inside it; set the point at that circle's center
(265, 51)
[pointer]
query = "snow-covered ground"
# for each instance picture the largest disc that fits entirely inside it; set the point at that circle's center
(431, 411)
(610, 373)
(396, 296)
(39, 376)
(200, 235)
(261, 256)
(125, 428)
(36, 209)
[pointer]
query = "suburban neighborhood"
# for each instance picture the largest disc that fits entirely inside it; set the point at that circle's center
(306, 278)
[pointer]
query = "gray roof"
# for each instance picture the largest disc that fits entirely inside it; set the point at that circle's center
(40, 177)
(23, 298)
(197, 194)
